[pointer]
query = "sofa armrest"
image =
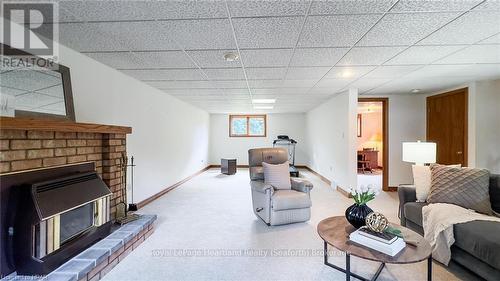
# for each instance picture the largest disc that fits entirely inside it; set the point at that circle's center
(406, 193)
(301, 185)
(260, 186)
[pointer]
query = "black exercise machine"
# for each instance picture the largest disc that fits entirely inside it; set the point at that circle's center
(289, 144)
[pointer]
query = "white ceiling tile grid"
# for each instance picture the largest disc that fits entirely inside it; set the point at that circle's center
(405, 29)
(335, 31)
(360, 43)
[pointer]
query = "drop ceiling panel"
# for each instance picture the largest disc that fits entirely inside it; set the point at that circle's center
(225, 73)
(212, 58)
(489, 5)
(299, 83)
(474, 54)
(141, 10)
(231, 84)
(276, 32)
(405, 29)
(181, 84)
(469, 28)
(433, 71)
(135, 60)
(369, 55)
(366, 84)
(317, 56)
(406, 84)
(323, 7)
(390, 71)
(335, 31)
(342, 72)
(203, 34)
(265, 83)
(423, 54)
(495, 39)
(165, 74)
(266, 57)
(434, 6)
(271, 73)
(279, 91)
(333, 84)
(98, 37)
(267, 8)
(306, 73)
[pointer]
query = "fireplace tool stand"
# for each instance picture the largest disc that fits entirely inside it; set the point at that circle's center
(122, 214)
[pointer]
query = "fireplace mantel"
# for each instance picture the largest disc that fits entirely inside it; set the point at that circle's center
(60, 126)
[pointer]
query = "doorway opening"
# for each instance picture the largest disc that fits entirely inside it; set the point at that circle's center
(372, 142)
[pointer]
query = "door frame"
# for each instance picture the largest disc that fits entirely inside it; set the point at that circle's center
(465, 91)
(385, 139)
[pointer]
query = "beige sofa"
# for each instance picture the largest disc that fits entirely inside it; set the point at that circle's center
(277, 207)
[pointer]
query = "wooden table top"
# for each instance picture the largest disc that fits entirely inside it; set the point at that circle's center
(335, 231)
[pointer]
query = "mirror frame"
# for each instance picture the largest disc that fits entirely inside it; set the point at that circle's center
(67, 90)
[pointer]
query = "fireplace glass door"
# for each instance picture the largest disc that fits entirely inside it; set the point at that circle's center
(76, 221)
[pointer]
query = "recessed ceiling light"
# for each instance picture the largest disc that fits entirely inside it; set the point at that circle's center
(263, 101)
(263, 106)
(346, 74)
(231, 56)
(415, 91)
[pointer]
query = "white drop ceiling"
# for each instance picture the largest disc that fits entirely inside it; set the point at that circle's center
(298, 52)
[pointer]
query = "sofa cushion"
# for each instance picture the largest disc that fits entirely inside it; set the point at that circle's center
(465, 187)
(413, 211)
(277, 175)
(480, 239)
(290, 199)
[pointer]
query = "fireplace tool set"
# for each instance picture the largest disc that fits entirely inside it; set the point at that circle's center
(122, 213)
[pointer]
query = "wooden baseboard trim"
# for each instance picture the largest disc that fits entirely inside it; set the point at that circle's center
(168, 189)
(317, 174)
(237, 166)
(344, 192)
(392, 188)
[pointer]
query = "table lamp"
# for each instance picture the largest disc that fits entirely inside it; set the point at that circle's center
(419, 153)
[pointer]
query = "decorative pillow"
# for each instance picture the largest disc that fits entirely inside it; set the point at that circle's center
(277, 175)
(465, 187)
(422, 180)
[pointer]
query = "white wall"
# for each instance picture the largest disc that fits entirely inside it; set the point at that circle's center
(331, 128)
(487, 125)
(169, 140)
(223, 146)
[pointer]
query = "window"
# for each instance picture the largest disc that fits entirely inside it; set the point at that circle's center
(247, 125)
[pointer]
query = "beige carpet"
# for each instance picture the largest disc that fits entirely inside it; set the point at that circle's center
(206, 230)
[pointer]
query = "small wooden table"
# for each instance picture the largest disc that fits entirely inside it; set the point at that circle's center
(228, 166)
(335, 232)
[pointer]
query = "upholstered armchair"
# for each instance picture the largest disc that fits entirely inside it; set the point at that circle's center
(275, 206)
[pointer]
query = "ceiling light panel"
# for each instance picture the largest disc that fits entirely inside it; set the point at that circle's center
(434, 6)
(317, 56)
(266, 57)
(350, 7)
(369, 55)
(474, 54)
(469, 28)
(405, 29)
(266, 101)
(267, 8)
(277, 32)
(423, 54)
(335, 31)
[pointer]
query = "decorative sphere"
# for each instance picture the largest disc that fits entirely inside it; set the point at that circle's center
(376, 222)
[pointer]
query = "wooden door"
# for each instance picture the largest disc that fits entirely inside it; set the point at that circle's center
(447, 126)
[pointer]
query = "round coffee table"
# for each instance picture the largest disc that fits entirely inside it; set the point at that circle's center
(335, 232)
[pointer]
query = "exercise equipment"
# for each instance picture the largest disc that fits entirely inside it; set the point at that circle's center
(288, 143)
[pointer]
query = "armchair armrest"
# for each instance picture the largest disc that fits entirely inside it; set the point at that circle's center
(406, 193)
(260, 186)
(301, 185)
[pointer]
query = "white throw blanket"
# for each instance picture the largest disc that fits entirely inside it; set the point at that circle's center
(438, 220)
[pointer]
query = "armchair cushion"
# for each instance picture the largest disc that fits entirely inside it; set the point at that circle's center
(260, 186)
(277, 175)
(301, 185)
(290, 199)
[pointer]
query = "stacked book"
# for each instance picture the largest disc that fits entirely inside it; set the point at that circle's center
(386, 243)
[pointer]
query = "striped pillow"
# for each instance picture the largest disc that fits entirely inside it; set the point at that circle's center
(278, 176)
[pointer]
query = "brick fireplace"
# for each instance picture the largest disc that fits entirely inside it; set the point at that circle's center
(27, 144)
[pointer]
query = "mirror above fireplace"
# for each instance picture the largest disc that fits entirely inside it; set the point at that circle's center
(31, 90)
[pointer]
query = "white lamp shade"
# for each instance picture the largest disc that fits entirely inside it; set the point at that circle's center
(419, 152)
